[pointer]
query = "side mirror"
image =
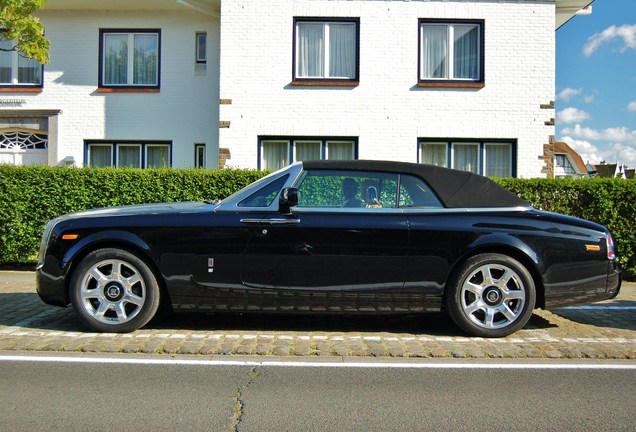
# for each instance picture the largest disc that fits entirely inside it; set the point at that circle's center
(288, 199)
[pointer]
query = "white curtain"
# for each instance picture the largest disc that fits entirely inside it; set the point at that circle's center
(466, 58)
(498, 160)
(434, 51)
(342, 50)
(275, 154)
(29, 71)
(129, 156)
(146, 59)
(307, 150)
(6, 60)
(433, 154)
(466, 157)
(100, 155)
(339, 150)
(115, 59)
(310, 50)
(157, 156)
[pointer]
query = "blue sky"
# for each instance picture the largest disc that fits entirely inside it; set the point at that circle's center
(596, 83)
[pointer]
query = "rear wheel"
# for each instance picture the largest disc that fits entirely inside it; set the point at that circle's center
(491, 295)
(113, 290)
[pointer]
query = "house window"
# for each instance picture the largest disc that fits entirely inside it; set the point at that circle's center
(199, 155)
(491, 158)
(201, 44)
(276, 153)
(129, 58)
(326, 49)
(101, 153)
(451, 52)
(562, 166)
(17, 70)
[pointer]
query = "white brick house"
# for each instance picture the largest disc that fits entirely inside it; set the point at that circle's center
(462, 83)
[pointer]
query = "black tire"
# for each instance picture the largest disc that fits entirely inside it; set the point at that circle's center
(491, 295)
(114, 291)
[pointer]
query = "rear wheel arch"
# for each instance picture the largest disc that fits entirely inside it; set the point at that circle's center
(512, 252)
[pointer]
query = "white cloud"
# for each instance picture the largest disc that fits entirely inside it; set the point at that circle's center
(568, 93)
(572, 115)
(588, 99)
(616, 134)
(612, 153)
(625, 32)
(631, 106)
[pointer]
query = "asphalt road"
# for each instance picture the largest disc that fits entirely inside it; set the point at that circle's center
(261, 397)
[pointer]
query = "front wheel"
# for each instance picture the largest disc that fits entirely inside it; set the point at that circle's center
(113, 290)
(491, 295)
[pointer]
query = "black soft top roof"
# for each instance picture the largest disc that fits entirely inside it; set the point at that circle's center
(456, 189)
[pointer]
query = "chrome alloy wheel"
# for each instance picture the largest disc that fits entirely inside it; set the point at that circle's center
(493, 296)
(112, 291)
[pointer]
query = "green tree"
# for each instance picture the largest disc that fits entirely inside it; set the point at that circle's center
(17, 24)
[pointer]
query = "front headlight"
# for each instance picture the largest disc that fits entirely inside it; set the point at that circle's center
(46, 236)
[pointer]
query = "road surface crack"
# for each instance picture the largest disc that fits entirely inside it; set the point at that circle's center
(237, 414)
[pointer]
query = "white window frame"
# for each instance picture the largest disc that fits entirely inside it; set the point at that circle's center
(481, 144)
(326, 23)
(199, 159)
(450, 54)
(130, 68)
(139, 150)
(145, 160)
(485, 157)
(15, 66)
(90, 147)
(291, 147)
(202, 59)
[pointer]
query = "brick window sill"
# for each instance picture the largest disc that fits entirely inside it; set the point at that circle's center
(126, 90)
(473, 85)
(326, 83)
(20, 89)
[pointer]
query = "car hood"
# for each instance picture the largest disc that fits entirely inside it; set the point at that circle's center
(142, 209)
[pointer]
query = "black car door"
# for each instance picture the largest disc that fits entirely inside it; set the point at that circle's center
(336, 244)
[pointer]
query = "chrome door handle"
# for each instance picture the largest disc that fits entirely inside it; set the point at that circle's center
(272, 221)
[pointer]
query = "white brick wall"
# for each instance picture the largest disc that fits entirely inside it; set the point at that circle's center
(387, 111)
(185, 110)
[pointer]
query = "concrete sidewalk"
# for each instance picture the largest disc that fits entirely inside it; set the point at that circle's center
(604, 330)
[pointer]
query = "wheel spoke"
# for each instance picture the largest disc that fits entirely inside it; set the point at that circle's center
(514, 295)
(502, 282)
(505, 310)
(134, 299)
(101, 310)
(121, 312)
(489, 319)
(99, 277)
(475, 289)
(474, 307)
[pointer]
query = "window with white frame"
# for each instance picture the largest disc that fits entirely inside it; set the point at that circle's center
(17, 70)
(201, 47)
(129, 58)
(451, 51)
(278, 152)
(491, 158)
(199, 155)
(326, 49)
(100, 153)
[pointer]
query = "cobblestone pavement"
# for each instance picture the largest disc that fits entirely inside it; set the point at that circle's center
(600, 331)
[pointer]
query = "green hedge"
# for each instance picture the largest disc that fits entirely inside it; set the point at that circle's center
(30, 196)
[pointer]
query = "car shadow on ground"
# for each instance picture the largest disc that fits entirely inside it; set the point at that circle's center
(26, 310)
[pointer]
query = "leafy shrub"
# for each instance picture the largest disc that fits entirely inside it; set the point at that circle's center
(32, 195)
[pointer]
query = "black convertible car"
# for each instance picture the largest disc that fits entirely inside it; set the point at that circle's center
(331, 237)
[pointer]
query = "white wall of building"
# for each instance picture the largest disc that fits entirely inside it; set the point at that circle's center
(185, 110)
(387, 111)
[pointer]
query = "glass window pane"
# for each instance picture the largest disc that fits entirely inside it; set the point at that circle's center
(157, 156)
(342, 50)
(100, 155)
(29, 71)
(340, 150)
(6, 62)
(466, 157)
(115, 59)
(414, 192)
(434, 51)
(201, 47)
(466, 48)
(433, 154)
(275, 154)
(310, 49)
(307, 150)
(145, 59)
(129, 156)
(498, 160)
